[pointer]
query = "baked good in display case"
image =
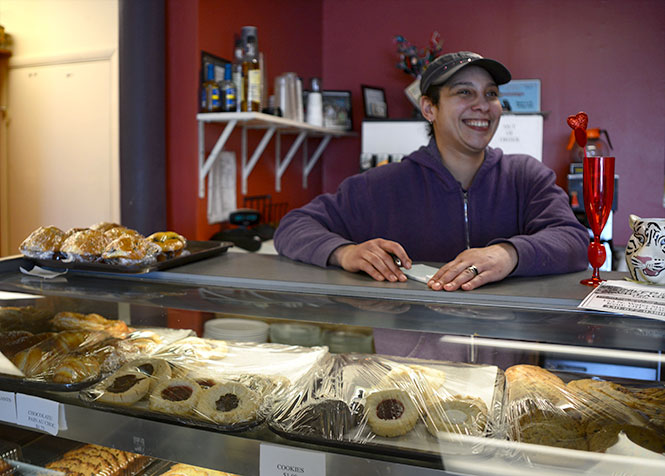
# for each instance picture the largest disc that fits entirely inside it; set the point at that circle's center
(577, 412)
(67, 351)
(112, 247)
(214, 384)
(180, 469)
(94, 460)
(392, 405)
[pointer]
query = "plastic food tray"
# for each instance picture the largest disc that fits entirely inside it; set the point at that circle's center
(483, 381)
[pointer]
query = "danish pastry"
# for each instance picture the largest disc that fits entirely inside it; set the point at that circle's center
(124, 388)
(43, 243)
(176, 396)
(85, 245)
(105, 226)
(391, 412)
(130, 249)
(170, 242)
(464, 415)
(119, 231)
(229, 403)
(155, 369)
(73, 369)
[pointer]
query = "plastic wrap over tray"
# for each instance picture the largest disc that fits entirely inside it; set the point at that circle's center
(581, 413)
(72, 458)
(72, 350)
(216, 384)
(392, 404)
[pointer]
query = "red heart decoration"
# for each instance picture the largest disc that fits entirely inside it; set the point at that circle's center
(580, 136)
(579, 120)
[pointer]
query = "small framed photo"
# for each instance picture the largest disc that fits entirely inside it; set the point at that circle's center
(337, 110)
(520, 95)
(374, 100)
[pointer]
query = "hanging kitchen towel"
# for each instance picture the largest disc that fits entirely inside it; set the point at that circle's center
(222, 188)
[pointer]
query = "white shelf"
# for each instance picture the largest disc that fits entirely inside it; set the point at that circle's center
(272, 125)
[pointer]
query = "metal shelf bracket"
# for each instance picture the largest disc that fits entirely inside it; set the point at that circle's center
(272, 124)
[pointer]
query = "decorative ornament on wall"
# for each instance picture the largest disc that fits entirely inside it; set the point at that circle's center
(413, 61)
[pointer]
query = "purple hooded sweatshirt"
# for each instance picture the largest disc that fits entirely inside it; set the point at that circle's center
(419, 204)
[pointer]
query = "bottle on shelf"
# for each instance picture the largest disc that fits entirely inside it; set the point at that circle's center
(251, 79)
(210, 98)
(237, 71)
(227, 90)
(315, 104)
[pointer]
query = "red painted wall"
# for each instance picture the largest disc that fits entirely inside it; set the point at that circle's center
(290, 39)
(603, 57)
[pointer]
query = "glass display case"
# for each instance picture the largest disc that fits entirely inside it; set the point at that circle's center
(520, 321)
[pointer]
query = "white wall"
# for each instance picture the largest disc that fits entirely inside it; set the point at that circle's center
(62, 123)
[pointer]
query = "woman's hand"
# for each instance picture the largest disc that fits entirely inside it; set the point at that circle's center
(492, 263)
(374, 257)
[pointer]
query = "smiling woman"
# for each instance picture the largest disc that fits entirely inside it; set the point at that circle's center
(486, 214)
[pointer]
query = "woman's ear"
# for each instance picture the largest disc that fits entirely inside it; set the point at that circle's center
(427, 108)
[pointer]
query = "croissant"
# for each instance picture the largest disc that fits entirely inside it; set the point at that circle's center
(33, 362)
(67, 341)
(92, 322)
(73, 369)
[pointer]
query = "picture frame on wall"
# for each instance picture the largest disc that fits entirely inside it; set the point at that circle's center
(337, 112)
(374, 101)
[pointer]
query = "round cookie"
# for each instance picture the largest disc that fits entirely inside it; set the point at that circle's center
(124, 388)
(391, 412)
(229, 403)
(329, 419)
(176, 396)
(464, 415)
(156, 369)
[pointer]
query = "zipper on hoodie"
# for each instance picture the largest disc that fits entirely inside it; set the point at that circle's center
(466, 218)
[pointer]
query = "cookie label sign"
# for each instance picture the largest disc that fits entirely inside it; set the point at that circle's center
(281, 461)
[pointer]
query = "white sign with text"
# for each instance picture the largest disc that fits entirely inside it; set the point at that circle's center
(8, 407)
(38, 413)
(281, 461)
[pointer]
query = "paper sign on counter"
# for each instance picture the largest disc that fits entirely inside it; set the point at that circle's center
(635, 299)
(8, 407)
(281, 461)
(38, 413)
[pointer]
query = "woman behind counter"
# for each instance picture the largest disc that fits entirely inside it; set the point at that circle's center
(457, 201)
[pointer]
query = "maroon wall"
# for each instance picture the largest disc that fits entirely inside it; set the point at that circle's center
(290, 39)
(603, 57)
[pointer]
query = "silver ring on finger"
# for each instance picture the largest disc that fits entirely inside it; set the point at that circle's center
(473, 270)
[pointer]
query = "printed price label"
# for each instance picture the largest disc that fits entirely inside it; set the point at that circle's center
(8, 407)
(38, 413)
(280, 461)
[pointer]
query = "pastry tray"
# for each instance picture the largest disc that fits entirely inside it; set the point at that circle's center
(485, 381)
(143, 411)
(48, 448)
(195, 251)
(34, 385)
